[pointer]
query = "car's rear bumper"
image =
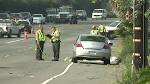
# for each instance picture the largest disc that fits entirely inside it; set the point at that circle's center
(37, 21)
(93, 54)
(97, 17)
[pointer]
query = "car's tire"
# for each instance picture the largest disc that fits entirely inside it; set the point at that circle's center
(1, 36)
(9, 34)
(19, 34)
(106, 61)
(74, 60)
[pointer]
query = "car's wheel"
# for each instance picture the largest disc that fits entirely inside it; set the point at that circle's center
(107, 61)
(19, 34)
(9, 34)
(1, 36)
(74, 60)
(85, 19)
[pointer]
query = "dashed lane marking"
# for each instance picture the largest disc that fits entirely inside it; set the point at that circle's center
(54, 77)
(14, 41)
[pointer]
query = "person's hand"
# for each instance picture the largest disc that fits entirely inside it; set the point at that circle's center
(49, 36)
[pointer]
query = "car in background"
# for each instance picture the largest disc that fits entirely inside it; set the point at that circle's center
(99, 14)
(110, 29)
(81, 14)
(91, 47)
(4, 16)
(52, 13)
(1, 32)
(38, 19)
(24, 25)
(9, 28)
(27, 16)
(15, 16)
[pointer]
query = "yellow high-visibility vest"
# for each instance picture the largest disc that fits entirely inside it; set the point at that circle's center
(55, 36)
(94, 32)
(101, 28)
(40, 36)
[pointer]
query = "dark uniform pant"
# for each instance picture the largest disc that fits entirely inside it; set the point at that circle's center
(39, 49)
(56, 49)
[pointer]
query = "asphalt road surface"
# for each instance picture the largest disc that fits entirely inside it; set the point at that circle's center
(19, 66)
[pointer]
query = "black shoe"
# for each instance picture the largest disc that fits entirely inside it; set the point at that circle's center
(40, 59)
(55, 60)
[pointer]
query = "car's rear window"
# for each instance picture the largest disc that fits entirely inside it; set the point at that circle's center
(37, 15)
(93, 38)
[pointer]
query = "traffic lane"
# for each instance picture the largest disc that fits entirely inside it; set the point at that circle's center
(90, 74)
(78, 30)
(21, 64)
(109, 73)
(5, 40)
(24, 52)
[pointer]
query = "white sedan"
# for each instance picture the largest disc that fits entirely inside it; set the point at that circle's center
(112, 28)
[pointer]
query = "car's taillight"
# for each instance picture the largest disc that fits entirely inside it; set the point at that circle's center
(78, 45)
(106, 46)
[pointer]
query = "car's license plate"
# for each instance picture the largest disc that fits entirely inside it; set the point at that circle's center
(92, 53)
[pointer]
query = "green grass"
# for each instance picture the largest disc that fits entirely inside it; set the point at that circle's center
(129, 76)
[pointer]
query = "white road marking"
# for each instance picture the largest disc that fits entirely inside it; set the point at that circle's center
(14, 41)
(50, 79)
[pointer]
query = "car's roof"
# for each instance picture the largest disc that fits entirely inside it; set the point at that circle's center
(99, 9)
(80, 10)
(117, 21)
(15, 13)
(90, 35)
(37, 14)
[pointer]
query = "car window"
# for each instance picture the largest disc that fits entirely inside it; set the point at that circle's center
(37, 15)
(93, 38)
(15, 15)
(114, 24)
(98, 11)
(23, 23)
(5, 21)
(79, 11)
(25, 14)
(4, 16)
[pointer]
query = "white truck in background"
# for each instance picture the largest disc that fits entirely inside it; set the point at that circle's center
(38, 19)
(99, 14)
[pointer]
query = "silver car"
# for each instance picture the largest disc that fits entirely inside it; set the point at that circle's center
(92, 47)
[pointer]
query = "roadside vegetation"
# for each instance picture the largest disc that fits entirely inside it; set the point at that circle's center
(120, 8)
(39, 6)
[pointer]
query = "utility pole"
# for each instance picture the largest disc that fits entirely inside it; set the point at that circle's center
(145, 59)
(139, 35)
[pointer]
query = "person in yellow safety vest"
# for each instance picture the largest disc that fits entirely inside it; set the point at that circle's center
(40, 40)
(101, 30)
(94, 30)
(55, 39)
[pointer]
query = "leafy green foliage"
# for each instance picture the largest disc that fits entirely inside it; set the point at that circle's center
(147, 14)
(38, 6)
(121, 10)
(125, 29)
(126, 54)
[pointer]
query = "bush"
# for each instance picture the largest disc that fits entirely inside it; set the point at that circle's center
(132, 77)
(126, 54)
(125, 29)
